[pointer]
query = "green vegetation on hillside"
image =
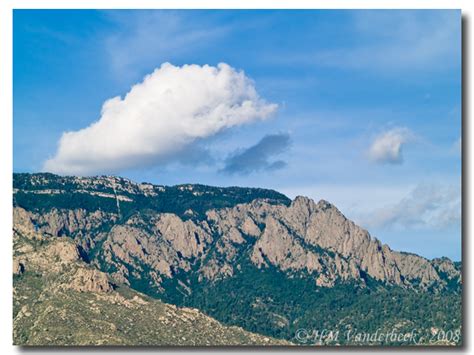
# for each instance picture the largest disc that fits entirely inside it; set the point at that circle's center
(268, 301)
(187, 201)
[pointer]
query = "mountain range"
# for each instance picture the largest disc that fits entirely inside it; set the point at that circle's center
(251, 263)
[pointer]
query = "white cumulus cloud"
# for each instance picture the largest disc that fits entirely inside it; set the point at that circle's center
(387, 147)
(160, 118)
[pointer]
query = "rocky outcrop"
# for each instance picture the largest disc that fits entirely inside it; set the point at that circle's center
(90, 280)
(52, 258)
(187, 238)
(57, 223)
(18, 267)
(135, 247)
(447, 268)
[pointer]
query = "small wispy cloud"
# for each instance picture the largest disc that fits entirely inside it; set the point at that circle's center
(387, 146)
(259, 156)
(426, 206)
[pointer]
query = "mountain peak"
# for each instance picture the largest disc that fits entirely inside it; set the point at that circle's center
(324, 205)
(303, 203)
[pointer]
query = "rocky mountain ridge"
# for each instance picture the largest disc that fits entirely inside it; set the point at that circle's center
(303, 237)
(189, 244)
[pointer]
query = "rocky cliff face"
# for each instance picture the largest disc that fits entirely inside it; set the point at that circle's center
(303, 238)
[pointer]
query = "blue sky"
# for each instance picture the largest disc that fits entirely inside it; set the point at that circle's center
(361, 108)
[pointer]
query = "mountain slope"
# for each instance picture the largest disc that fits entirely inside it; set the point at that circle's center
(60, 300)
(192, 245)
